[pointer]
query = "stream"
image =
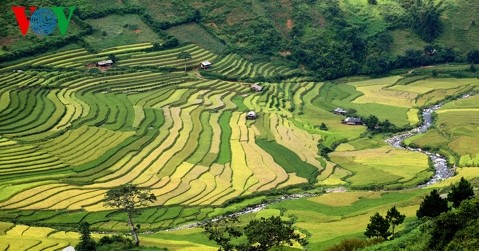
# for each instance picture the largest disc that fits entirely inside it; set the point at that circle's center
(442, 170)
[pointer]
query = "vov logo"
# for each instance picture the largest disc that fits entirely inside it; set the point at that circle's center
(43, 20)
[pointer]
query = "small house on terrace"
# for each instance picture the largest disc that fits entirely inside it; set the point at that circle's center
(251, 115)
(256, 88)
(340, 111)
(105, 63)
(205, 65)
(352, 121)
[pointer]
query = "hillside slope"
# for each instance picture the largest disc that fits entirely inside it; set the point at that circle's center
(331, 38)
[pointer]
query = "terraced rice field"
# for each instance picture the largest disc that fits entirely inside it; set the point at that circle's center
(22, 237)
(235, 66)
(67, 135)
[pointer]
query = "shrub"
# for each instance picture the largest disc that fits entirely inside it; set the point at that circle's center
(354, 244)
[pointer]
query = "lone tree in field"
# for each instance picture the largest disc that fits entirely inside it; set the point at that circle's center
(462, 191)
(185, 56)
(378, 227)
(128, 198)
(394, 217)
(432, 206)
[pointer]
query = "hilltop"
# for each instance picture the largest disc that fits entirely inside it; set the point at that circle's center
(331, 38)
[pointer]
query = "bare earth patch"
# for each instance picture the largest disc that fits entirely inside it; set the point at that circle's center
(289, 24)
(285, 53)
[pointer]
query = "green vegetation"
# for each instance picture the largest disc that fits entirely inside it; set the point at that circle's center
(86, 242)
(432, 206)
(71, 131)
(288, 160)
(460, 192)
(454, 133)
(128, 198)
(262, 235)
(201, 37)
(378, 227)
(116, 30)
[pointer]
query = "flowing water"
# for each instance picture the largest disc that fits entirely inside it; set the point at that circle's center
(442, 170)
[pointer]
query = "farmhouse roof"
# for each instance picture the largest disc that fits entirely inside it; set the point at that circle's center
(339, 110)
(352, 120)
(103, 62)
(251, 114)
(256, 87)
(206, 63)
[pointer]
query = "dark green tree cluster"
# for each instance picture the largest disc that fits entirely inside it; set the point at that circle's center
(458, 229)
(86, 242)
(460, 192)
(106, 243)
(432, 205)
(473, 57)
(375, 125)
(427, 18)
(379, 225)
(261, 235)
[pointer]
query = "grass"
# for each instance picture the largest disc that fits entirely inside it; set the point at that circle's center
(405, 39)
(381, 166)
(335, 216)
(288, 160)
(117, 30)
(71, 135)
(201, 38)
(454, 134)
(224, 155)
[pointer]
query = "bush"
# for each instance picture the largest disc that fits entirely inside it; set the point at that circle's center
(115, 242)
(354, 244)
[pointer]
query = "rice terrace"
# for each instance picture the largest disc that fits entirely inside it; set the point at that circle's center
(197, 106)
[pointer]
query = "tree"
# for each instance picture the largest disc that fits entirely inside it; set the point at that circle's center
(185, 56)
(473, 57)
(86, 242)
(261, 235)
(371, 122)
(113, 58)
(378, 227)
(457, 229)
(115, 242)
(462, 191)
(432, 205)
(323, 127)
(372, 2)
(128, 198)
(394, 217)
(472, 68)
(223, 231)
(264, 234)
(427, 18)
